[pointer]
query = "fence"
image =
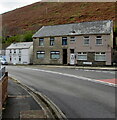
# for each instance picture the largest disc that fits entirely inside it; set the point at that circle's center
(2, 72)
(3, 87)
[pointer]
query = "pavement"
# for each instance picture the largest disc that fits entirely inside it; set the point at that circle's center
(20, 104)
(106, 68)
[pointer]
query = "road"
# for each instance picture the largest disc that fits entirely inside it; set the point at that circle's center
(76, 92)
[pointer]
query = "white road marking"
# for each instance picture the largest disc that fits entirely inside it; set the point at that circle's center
(70, 75)
(111, 72)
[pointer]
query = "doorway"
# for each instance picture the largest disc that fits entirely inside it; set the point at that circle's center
(64, 56)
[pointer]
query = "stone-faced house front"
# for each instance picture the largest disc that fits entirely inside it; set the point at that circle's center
(86, 43)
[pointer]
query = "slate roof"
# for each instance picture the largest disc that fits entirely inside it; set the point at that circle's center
(96, 27)
(20, 45)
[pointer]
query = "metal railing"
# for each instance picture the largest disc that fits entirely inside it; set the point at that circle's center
(2, 72)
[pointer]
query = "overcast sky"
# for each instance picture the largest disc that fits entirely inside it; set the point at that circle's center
(8, 5)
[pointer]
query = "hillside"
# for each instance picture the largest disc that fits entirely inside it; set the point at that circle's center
(33, 16)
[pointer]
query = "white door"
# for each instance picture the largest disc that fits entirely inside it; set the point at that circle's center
(72, 59)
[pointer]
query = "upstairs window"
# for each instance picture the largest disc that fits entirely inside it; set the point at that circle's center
(41, 41)
(100, 56)
(64, 40)
(19, 50)
(82, 56)
(14, 50)
(51, 41)
(40, 54)
(10, 51)
(72, 39)
(98, 40)
(54, 54)
(86, 40)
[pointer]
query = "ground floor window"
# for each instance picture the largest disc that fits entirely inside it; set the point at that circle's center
(54, 54)
(19, 58)
(82, 56)
(40, 54)
(100, 56)
(10, 58)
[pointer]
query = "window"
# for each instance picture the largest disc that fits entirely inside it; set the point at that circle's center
(71, 50)
(10, 51)
(10, 58)
(72, 39)
(86, 40)
(40, 54)
(51, 41)
(41, 41)
(64, 40)
(100, 56)
(14, 51)
(54, 54)
(19, 51)
(82, 56)
(19, 58)
(99, 40)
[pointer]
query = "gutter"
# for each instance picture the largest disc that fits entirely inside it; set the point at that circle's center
(50, 109)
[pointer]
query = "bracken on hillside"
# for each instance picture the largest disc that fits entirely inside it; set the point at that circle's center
(34, 16)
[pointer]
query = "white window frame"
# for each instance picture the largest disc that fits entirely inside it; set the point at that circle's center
(52, 41)
(10, 51)
(55, 55)
(10, 58)
(14, 50)
(64, 39)
(41, 41)
(19, 58)
(72, 39)
(82, 54)
(19, 50)
(40, 54)
(98, 55)
(85, 40)
(99, 39)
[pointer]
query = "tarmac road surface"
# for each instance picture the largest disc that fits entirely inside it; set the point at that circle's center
(76, 92)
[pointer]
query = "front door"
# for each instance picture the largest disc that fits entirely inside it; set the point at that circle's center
(64, 56)
(72, 59)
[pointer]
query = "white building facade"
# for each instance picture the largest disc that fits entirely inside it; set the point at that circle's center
(19, 53)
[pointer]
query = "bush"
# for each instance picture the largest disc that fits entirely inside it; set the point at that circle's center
(26, 37)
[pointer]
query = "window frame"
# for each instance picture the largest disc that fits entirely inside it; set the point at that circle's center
(41, 40)
(19, 58)
(64, 39)
(85, 38)
(81, 54)
(99, 39)
(10, 51)
(54, 53)
(72, 39)
(52, 40)
(100, 54)
(14, 50)
(40, 53)
(10, 58)
(19, 51)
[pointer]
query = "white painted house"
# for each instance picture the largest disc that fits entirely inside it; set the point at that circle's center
(19, 53)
